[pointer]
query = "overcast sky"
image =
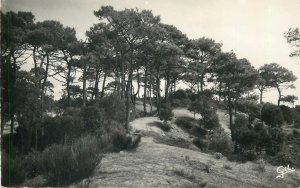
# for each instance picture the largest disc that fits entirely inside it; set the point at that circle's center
(253, 29)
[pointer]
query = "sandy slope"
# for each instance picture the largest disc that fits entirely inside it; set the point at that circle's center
(154, 164)
(224, 120)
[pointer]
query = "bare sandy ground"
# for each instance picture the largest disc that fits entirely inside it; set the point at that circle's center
(224, 120)
(157, 165)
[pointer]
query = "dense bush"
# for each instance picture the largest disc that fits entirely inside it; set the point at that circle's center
(85, 152)
(180, 103)
(179, 95)
(114, 108)
(165, 126)
(288, 113)
(275, 142)
(191, 126)
(201, 144)
(219, 141)
(240, 125)
(204, 106)
(184, 122)
(33, 164)
(252, 140)
(199, 131)
(210, 121)
(249, 107)
(63, 164)
(121, 140)
(271, 115)
(93, 118)
(166, 113)
(58, 165)
(53, 131)
(286, 157)
(72, 124)
(297, 116)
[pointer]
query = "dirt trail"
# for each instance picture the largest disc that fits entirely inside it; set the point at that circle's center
(157, 165)
(224, 120)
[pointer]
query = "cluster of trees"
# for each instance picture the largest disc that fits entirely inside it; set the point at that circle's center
(128, 53)
(127, 50)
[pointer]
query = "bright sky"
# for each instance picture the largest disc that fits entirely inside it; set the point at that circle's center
(253, 29)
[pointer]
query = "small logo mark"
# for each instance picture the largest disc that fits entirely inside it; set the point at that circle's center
(281, 170)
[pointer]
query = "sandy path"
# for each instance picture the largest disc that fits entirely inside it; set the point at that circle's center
(183, 112)
(224, 120)
(144, 124)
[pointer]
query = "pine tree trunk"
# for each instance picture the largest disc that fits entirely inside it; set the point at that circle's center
(84, 83)
(145, 89)
(122, 78)
(167, 86)
(158, 90)
(96, 86)
(279, 98)
(202, 82)
(68, 85)
(128, 89)
(150, 97)
(103, 85)
(261, 96)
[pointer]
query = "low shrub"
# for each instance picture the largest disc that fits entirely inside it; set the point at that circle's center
(226, 166)
(201, 144)
(122, 141)
(261, 165)
(249, 155)
(199, 132)
(184, 173)
(165, 127)
(134, 140)
(185, 122)
(218, 155)
(207, 168)
(236, 157)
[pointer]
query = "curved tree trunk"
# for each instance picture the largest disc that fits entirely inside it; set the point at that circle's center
(96, 86)
(145, 89)
(158, 89)
(84, 84)
(103, 85)
(128, 88)
(68, 84)
(279, 97)
(261, 96)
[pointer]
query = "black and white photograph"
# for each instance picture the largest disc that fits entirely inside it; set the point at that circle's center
(150, 93)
